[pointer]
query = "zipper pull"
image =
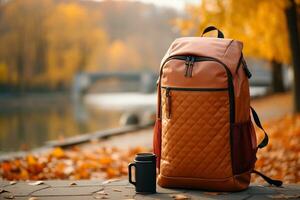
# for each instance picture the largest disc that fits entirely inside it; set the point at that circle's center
(168, 103)
(187, 66)
(191, 66)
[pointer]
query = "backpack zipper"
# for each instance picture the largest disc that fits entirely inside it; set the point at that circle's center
(187, 65)
(169, 96)
(168, 103)
(189, 62)
(229, 77)
(191, 66)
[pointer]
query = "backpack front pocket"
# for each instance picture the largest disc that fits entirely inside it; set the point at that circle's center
(196, 133)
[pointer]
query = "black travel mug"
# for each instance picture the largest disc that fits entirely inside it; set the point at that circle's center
(145, 173)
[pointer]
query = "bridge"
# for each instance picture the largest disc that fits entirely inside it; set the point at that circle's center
(146, 81)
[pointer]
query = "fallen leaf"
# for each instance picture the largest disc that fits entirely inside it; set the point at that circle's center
(6, 166)
(31, 160)
(12, 182)
(106, 160)
(180, 197)
(111, 172)
(33, 198)
(36, 183)
(73, 183)
(2, 190)
(110, 181)
(58, 152)
(258, 185)
(73, 164)
(213, 193)
(102, 192)
(101, 197)
(8, 196)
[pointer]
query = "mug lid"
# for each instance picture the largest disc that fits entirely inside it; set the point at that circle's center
(145, 157)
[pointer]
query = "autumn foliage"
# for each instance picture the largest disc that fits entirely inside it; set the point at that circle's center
(74, 164)
(262, 21)
(281, 159)
(44, 43)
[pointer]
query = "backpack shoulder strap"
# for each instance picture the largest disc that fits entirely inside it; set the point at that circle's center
(277, 183)
(265, 141)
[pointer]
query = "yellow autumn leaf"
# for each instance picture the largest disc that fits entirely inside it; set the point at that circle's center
(105, 160)
(31, 160)
(58, 152)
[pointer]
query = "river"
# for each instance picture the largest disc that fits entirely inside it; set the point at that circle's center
(30, 121)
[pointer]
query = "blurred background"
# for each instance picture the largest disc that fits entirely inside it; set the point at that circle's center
(55, 53)
(71, 67)
(61, 60)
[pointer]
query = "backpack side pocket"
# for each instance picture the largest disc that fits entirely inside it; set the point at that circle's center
(243, 147)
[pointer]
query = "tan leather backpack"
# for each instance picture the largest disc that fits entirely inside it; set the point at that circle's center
(203, 136)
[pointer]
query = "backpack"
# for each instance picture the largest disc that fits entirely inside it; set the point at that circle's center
(203, 135)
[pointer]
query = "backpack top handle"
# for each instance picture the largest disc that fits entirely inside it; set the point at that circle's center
(212, 28)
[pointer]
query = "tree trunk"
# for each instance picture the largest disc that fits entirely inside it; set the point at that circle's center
(20, 66)
(291, 17)
(277, 77)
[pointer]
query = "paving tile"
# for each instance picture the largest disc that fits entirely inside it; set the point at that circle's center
(168, 190)
(4, 183)
(20, 198)
(68, 191)
(64, 183)
(155, 196)
(229, 196)
(6, 195)
(261, 197)
(288, 190)
(116, 182)
(292, 186)
(121, 189)
(58, 183)
(193, 197)
(261, 190)
(58, 198)
(285, 196)
(239, 195)
(23, 189)
(118, 192)
(89, 182)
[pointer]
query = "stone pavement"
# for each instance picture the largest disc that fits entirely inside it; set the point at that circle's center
(121, 189)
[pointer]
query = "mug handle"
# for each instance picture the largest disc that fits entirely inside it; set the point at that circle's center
(129, 173)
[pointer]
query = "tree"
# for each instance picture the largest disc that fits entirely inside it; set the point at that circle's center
(291, 17)
(44, 42)
(73, 41)
(118, 52)
(22, 36)
(259, 24)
